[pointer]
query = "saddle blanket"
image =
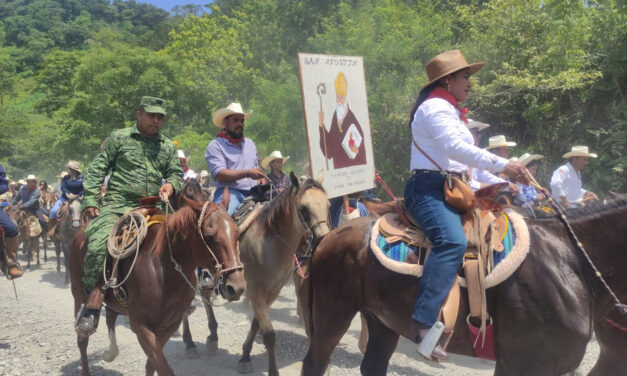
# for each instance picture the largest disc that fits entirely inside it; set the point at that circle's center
(393, 251)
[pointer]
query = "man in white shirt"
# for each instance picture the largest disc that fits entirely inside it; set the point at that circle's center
(566, 180)
(188, 173)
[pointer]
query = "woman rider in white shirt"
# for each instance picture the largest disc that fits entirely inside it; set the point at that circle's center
(438, 127)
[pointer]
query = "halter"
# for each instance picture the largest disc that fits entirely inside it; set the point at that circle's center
(219, 270)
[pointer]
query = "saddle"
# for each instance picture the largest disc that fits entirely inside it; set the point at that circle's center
(490, 231)
(251, 206)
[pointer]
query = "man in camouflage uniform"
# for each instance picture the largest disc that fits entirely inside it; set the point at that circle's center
(141, 162)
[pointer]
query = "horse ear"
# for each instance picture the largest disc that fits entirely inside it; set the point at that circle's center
(320, 177)
(294, 180)
(226, 198)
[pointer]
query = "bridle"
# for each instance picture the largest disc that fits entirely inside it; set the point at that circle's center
(220, 270)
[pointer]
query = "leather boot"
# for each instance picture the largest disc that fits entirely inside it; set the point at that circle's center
(88, 322)
(52, 225)
(418, 332)
(14, 268)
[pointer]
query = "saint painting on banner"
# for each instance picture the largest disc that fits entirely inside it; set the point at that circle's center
(337, 122)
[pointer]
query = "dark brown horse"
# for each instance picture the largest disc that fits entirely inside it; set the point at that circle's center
(199, 233)
(30, 244)
(543, 313)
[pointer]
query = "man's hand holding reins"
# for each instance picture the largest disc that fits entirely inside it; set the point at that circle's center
(166, 191)
(91, 212)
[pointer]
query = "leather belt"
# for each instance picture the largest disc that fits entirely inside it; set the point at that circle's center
(460, 175)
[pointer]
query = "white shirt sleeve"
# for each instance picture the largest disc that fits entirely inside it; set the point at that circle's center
(557, 182)
(441, 125)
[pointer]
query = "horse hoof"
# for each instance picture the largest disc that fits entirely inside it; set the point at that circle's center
(245, 367)
(192, 353)
(109, 356)
(212, 346)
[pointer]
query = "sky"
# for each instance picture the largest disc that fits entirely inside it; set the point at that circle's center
(169, 4)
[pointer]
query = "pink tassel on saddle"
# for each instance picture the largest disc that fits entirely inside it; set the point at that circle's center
(483, 349)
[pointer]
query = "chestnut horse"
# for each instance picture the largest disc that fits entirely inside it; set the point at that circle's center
(543, 313)
(30, 244)
(159, 292)
(297, 216)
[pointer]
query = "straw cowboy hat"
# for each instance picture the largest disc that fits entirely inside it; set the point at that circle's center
(514, 159)
(204, 174)
(499, 142)
(22, 181)
(476, 124)
(74, 165)
(446, 63)
(181, 154)
(274, 155)
(31, 177)
(579, 151)
(233, 108)
(527, 158)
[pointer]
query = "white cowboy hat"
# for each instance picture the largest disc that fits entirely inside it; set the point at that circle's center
(579, 151)
(476, 124)
(21, 181)
(181, 154)
(499, 142)
(31, 177)
(204, 174)
(514, 159)
(527, 158)
(74, 165)
(233, 108)
(274, 155)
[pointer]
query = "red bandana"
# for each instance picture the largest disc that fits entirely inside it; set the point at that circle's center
(233, 140)
(439, 92)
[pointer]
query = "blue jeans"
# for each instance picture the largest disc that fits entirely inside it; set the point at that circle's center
(10, 229)
(56, 207)
(237, 196)
(424, 199)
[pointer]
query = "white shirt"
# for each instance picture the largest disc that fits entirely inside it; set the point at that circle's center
(189, 174)
(440, 133)
(566, 181)
(479, 176)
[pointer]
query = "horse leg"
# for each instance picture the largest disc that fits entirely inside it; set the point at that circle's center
(36, 248)
(57, 251)
(190, 347)
(382, 342)
(45, 244)
(363, 334)
(66, 252)
(110, 354)
(153, 348)
(212, 338)
(82, 342)
(244, 365)
(328, 328)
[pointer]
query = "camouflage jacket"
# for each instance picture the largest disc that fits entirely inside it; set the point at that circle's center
(138, 166)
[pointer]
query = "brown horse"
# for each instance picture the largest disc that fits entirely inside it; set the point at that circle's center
(543, 313)
(30, 244)
(297, 216)
(159, 289)
(69, 217)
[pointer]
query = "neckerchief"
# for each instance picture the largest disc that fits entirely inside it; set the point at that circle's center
(223, 134)
(441, 93)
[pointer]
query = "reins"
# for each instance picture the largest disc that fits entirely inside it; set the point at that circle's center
(622, 308)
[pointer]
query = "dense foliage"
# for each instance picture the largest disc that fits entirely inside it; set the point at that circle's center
(73, 70)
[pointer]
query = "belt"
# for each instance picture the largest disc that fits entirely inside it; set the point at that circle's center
(460, 175)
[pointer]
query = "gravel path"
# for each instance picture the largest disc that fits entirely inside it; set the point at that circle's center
(37, 338)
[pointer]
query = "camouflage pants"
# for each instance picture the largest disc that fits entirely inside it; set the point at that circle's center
(97, 232)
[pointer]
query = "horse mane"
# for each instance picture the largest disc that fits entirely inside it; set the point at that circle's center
(593, 210)
(181, 224)
(275, 210)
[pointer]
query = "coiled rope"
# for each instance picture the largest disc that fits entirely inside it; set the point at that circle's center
(132, 238)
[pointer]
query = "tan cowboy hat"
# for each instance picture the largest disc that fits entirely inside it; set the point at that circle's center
(233, 108)
(527, 158)
(74, 165)
(476, 124)
(62, 175)
(274, 155)
(446, 63)
(21, 181)
(31, 177)
(499, 142)
(579, 151)
(204, 174)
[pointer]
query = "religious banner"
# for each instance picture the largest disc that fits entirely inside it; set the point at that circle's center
(337, 122)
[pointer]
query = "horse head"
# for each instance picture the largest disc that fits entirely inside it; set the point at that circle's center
(74, 209)
(313, 206)
(219, 252)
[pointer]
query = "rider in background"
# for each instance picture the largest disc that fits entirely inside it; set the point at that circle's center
(11, 241)
(566, 180)
(528, 193)
(438, 128)
(71, 189)
(277, 177)
(29, 196)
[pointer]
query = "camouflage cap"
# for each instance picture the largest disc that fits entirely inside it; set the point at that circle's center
(153, 105)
